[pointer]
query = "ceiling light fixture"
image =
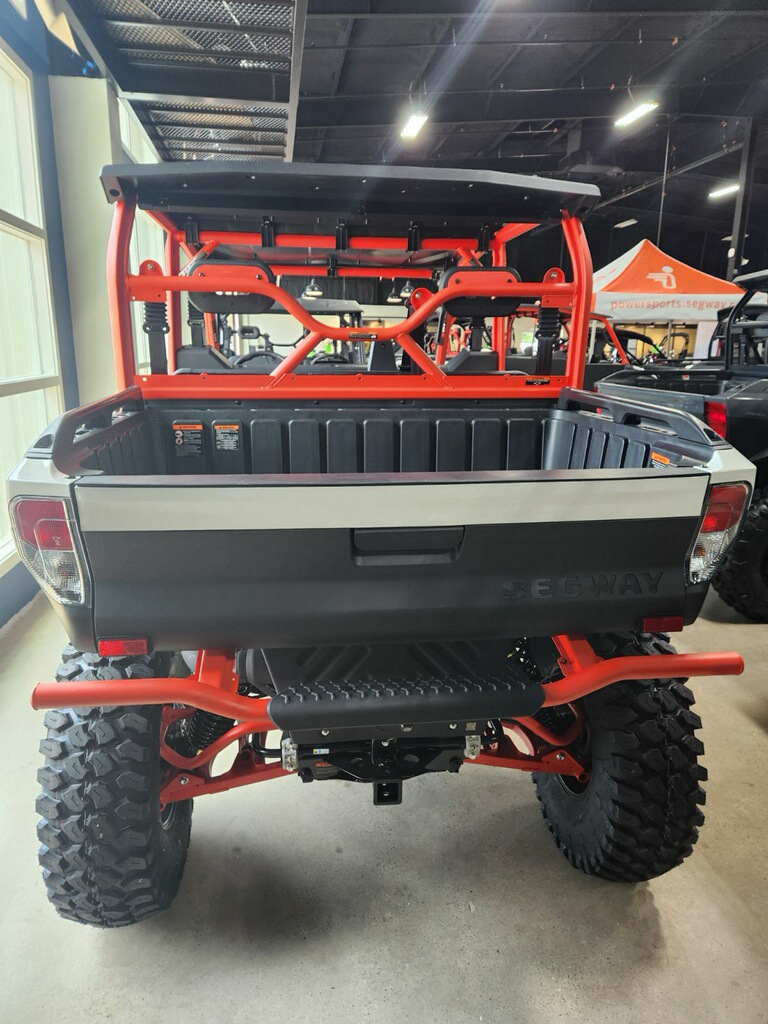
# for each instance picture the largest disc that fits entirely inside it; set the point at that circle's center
(724, 190)
(407, 290)
(413, 126)
(626, 223)
(393, 299)
(313, 290)
(636, 113)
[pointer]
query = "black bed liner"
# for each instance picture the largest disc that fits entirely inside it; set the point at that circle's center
(371, 199)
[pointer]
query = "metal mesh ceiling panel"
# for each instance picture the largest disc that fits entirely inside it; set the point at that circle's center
(193, 110)
(222, 12)
(220, 135)
(223, 61)
(185, 154)
(234, 59)
(173, 117)
(133, 36)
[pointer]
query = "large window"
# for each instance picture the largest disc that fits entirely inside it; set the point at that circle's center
(30, 385)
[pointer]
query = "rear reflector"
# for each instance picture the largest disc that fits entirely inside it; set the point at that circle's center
(116, 648)
(726, 504)
(661, 624)
(49, 545)
(716, 416)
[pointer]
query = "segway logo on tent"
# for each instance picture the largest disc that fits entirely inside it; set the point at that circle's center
(665, 277)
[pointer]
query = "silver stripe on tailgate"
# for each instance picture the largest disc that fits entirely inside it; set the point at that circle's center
(111, 509)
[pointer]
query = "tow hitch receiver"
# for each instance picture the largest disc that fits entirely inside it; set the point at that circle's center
(389, 792)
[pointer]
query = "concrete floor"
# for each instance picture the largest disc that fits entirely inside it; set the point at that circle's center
(306, 903)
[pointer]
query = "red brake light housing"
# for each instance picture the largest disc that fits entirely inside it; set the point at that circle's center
(49, 545)
(723, 512)
(662, 623)
(716, 417)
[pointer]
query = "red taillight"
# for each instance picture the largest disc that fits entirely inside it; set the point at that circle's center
(49, 545)
(716, 417)
(724, 507)
(719, 527)
(116, 648)
(42, 522)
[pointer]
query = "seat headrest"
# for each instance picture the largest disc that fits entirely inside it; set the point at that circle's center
(480, 305)
(213, 302)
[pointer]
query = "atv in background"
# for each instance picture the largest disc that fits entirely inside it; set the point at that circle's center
(748, 330)
(731, 396)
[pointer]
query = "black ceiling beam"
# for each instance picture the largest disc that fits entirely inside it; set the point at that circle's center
(251, 86)
(672, 174)
(525, 8)
(298, 29)
(186, 25)
(718, 100)
(526, 43)
(583, 90)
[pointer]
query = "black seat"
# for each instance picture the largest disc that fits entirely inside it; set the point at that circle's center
(201, 357)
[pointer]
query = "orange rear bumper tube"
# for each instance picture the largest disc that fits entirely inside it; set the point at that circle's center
(578, 681)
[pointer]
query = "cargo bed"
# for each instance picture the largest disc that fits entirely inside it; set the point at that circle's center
(257, 524)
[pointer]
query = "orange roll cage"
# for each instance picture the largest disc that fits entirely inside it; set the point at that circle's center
(154, 283)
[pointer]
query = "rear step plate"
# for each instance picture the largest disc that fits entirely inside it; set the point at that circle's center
(403, 702)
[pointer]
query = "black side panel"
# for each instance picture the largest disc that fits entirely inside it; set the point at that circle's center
(289, 588)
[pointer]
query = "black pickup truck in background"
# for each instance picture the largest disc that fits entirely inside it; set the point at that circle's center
(730, 393)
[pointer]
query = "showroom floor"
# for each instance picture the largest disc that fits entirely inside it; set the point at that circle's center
(307, 903)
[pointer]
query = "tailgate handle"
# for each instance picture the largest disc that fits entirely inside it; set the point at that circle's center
(417, 545)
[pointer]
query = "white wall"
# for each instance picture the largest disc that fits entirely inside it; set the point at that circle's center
(86, 132)
(91, 129)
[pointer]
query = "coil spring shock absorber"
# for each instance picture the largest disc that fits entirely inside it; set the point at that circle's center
(547, 334)
(200, 730)
(155, 327)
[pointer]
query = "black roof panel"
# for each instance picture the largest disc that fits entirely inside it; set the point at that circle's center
(370, 199)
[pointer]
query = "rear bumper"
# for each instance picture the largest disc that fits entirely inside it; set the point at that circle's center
(211, 690)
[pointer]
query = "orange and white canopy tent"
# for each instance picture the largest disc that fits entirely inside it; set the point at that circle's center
(647, 284)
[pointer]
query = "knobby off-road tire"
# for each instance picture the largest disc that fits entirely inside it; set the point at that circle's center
(638, 815)
(108, 854)
(742, 581)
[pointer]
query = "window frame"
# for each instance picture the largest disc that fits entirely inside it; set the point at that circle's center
(36, 233)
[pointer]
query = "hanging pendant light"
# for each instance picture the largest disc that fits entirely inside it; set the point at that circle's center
(407, 290)
(393, 299)
(313, 290)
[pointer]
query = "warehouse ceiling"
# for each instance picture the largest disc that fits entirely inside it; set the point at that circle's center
(523, 85)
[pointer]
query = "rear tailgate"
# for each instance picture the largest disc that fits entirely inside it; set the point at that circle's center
(194, 562)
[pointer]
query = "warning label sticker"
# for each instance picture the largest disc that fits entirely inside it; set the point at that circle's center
(187, 440)
(226, 437)
(659, 461)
